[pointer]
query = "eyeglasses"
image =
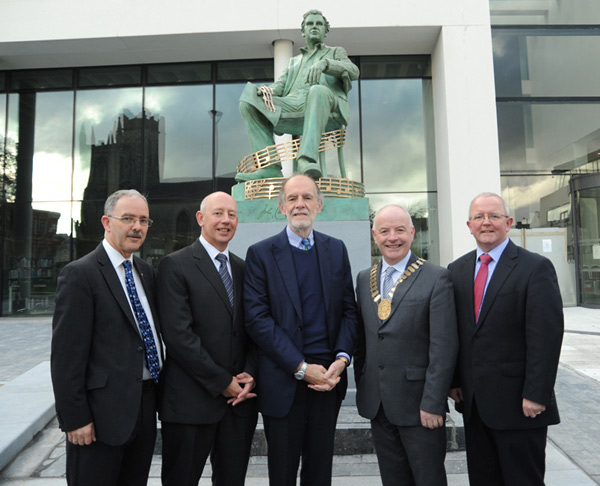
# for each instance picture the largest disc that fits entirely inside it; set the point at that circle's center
(492, 217)
(130, 220)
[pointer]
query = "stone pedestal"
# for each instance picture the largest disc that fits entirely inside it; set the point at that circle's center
(343, 218)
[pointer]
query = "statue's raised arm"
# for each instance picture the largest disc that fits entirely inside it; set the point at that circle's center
(310, 98)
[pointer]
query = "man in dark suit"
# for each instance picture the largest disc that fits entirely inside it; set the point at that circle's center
(106, 353)
(510, 322)
(301, 313)
(316, 83)
(210, 367)
(405, 355)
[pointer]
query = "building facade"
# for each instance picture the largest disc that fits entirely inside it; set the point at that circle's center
(454, 98)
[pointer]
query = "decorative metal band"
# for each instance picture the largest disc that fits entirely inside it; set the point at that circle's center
(330, 187)
(267, 92)
(275, 154)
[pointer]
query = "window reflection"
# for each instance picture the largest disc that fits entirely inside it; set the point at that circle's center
(181, 116)
(547, 136)
(393, 126)
(52, 159)
(525, 63)
(517, 12)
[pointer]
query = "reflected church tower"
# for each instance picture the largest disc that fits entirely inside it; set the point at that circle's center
(119, 163)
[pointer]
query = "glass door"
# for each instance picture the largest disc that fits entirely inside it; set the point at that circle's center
(586, 202)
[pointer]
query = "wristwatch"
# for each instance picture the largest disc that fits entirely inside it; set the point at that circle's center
(299, 375)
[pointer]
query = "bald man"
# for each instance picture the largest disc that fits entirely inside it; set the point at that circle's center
(206, 404)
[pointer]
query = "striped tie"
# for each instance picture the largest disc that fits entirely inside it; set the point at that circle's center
(388, 283)
(224, 273)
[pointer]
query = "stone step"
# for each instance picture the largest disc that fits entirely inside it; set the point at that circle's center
(353, 434)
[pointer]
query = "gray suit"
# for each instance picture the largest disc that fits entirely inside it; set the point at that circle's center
(405, 364)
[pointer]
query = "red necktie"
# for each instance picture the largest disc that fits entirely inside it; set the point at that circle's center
(480, 280)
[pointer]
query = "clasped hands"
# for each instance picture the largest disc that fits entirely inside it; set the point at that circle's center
(240, 389)
(321, 379)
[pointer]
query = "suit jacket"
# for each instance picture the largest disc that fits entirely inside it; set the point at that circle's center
(406, 362)
(338, 78)
(97, 355)
(513, 351)
(205, 339)
(274, 315)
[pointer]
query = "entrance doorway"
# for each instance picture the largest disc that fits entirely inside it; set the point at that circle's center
(585, 193)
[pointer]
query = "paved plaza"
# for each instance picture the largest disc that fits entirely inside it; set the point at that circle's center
(572, 454)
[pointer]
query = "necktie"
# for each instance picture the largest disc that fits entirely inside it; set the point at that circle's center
(480, 280)
(224, 273)
(151, 357)
(306, 244)
(388, 283)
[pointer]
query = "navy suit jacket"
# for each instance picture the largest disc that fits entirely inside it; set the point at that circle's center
(274, 315)
(513, 351)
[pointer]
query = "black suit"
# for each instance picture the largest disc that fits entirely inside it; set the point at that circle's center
(97, 363)
(206, 346)
(510, 354)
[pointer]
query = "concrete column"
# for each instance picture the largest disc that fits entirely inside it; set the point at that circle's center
(283, 52)
(467, 157)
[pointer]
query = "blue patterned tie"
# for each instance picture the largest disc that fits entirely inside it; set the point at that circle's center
(306, 244)
(224, 273)
(151, 357)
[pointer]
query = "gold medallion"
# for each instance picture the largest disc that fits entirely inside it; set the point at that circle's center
(384, 309)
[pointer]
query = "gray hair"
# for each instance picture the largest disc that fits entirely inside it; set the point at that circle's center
(111, 201)
(393, 206)
(282, 190)
(490, 194)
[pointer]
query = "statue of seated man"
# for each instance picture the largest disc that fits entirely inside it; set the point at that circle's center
(316, 83)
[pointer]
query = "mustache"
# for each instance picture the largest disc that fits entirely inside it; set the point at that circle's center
(135, 234)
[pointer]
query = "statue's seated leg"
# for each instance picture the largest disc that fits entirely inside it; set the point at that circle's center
(319, 105)
(260, 134)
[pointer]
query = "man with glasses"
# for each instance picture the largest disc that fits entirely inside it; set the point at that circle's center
(510, 323)
(107, 353)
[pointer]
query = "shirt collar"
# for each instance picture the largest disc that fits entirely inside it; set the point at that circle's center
(399, 267)
(113, 255)
(211, 250)
(318, 47)
(295, 240)
(495, 252)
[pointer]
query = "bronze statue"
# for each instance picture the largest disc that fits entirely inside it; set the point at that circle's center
(309, 98)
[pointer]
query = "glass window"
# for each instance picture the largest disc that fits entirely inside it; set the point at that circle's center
(395, 152)
(254, 70)
(537, 201)
(179, 133)
(547, 136)
(179, 73)
(108, 155)
(232, 143)
(2, 81)
(53, 145)
(569, 12)
(525, 62)
(383, 67)
(45, 79)
(110, 76)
